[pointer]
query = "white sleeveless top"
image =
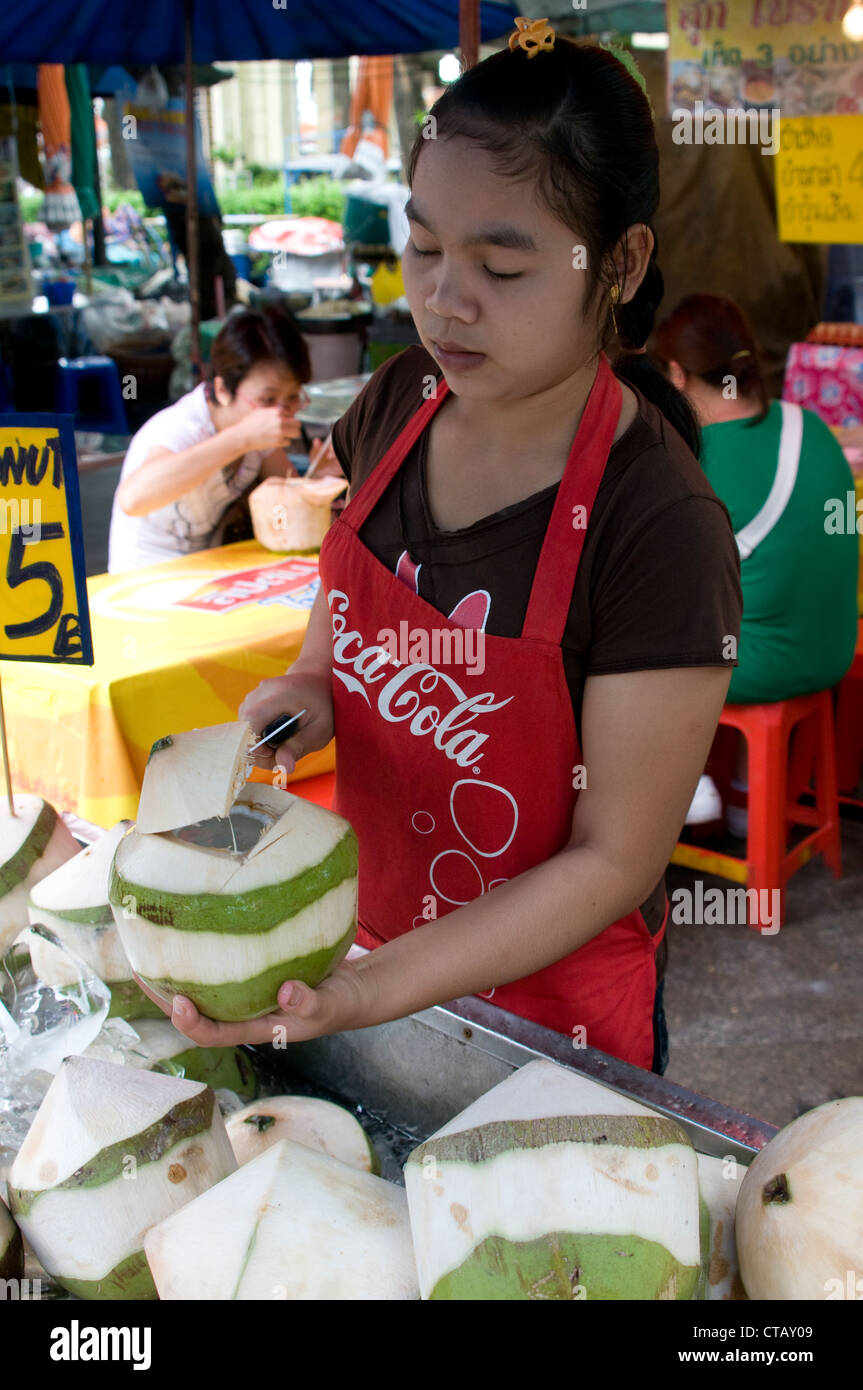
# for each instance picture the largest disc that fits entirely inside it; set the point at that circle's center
(187, 524)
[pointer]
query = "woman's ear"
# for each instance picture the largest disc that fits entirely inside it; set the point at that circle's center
(221, 392)
(631, 259)
(677, 376)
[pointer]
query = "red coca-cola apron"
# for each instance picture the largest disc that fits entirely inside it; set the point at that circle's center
(456, 781)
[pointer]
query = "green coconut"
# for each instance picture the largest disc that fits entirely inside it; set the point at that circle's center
(73, 902)
(291, 1224)
(11, 1248)
(112, 1151)
(553, 1187)
(33, 842)
(319, 1124)
(226, 909)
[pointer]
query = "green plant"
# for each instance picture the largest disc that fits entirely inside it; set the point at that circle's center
(320, 196)
(266, 198)
(30, 205)
(224, 154)
(261, 173)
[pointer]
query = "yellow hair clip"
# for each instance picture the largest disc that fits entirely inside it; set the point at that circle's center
(533, 35)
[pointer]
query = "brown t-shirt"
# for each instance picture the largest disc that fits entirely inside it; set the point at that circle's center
(658, 584)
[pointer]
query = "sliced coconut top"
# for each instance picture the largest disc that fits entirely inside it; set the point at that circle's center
(14, 830)
(89, 1106)
(539, 1091)
(292, 1217)
(193, 776)
(82, 881)
(301, 836)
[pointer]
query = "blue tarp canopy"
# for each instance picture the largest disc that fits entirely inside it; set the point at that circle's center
(151, 31)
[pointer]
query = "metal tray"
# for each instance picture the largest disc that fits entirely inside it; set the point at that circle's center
(406, 1079)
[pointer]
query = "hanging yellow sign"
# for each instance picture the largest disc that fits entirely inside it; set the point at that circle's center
(43, 592)
(819, 179)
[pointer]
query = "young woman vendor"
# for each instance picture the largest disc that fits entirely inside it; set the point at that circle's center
(516, 813)
(188, 465)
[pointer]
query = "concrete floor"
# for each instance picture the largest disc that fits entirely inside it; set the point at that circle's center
(771, 1025)
(97, 493)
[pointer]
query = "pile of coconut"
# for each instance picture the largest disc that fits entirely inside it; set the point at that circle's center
(130, 1185)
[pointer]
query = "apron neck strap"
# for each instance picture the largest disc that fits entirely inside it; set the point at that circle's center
(551, 593)
(359, 508)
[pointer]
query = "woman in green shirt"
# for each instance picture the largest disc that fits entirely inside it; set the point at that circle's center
(798, 569)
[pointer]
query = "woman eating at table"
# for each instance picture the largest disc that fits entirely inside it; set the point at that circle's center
(799, 575)
(515, 812)
(188, 465)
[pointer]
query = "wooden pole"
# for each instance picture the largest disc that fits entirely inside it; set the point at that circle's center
(468, 32)
(86, 225)
(6, 757)
(191, 193)
(99, 256)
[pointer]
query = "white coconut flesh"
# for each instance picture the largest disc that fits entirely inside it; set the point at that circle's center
(319, 1124)
(227, 928)
(800, 1208)
(73, 902)
(112, 1150)
(719, 1180)
(291, 1224)
(551, 1186)
(11, 1246)
(164, 1048)
(192, 776)
(33, 842)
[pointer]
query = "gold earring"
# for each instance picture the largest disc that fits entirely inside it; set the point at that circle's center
(614, 296)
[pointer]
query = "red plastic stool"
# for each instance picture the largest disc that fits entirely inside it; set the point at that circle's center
(778, 777)
(849, 724)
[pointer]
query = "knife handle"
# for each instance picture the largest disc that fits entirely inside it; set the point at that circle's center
(286, 732)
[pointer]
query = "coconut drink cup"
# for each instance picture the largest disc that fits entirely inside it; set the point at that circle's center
(293, 514)
(224, 889)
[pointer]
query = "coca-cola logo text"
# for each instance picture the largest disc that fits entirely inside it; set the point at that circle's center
(403, 690)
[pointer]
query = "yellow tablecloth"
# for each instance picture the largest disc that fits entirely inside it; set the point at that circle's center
(177, 646)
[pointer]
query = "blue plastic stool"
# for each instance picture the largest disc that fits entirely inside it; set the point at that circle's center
(110, 415)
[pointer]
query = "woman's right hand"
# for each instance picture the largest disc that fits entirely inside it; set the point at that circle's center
(287, 695)
(267, 428)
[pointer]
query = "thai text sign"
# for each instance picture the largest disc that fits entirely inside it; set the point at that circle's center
(43, 594)
(819, 179)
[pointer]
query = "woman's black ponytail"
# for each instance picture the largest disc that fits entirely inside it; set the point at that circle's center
(635, 321)
(578, 124)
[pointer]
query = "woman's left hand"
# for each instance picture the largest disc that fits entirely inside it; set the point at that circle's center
(336, 1004)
